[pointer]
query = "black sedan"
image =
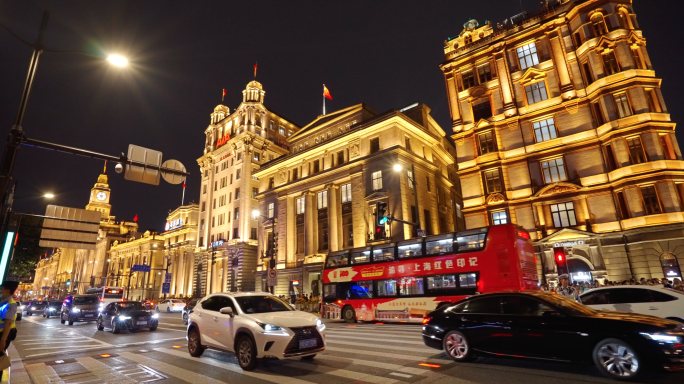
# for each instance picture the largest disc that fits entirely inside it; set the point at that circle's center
(35, 306)
(52, 309)
(546, 326)
(130, 315)
(186, 310)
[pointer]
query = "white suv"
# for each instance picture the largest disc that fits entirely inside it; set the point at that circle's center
(253, 325)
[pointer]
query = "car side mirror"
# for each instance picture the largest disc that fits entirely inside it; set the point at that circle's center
(227, 311)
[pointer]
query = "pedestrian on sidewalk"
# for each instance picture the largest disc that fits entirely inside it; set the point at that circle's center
(8, 313)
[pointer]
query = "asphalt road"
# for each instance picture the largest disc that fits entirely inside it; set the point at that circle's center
(48, 352)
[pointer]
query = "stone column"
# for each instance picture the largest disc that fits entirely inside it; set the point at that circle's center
(287, 226)
(310, 218)
(334, 219)
(505, 82)
(452, 92)
(560, 63)
(359, 209)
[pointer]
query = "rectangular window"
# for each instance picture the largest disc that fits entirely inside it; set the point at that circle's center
(204, 206)
(255, 192)
(482, 111)
(499, 218)
(294, 174)
(231, 179)
(652, 99)
(301, 205)
(554, 170)
(213, 205)
(527, 55)
(253, 234)
(563, 215)
(271, 182)
(239, 156)
(346, 193)
(407, 143)
(610, 63)
(281, 131)
(271, 209)
(215, 185)
(622, 205)
(213, 221)
(650, 197)
(255, 214)
(322, 198)
(204, 189)
(257, 156)
(596, 108)
(235, 233)
(485, 73)
(636, 151)
(444, 282)
(577, 39)
(409, 175)
(427, 183)
(409, 286)
(637, 59)
(536, 92)
(486, 141)
(544, 130)
(237, 193)
(622, 105)
(340, 157)
(375, 145)
(237, 175)
(323, 234)
(387, 288)
(468, 79)
(598, 26)
(376, 178)
(316, 166)
(300, 238)
(668, 149)
(492, 181)
(347, 231)
(201, 242)
(202, 224)
(236, 215)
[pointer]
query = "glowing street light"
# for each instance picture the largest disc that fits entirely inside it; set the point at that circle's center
(397, 167)
(48, 195)
(117, 60)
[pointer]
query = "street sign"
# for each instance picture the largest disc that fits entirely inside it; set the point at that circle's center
(168, 278)
(68, 227)
(272, 278)
(422, 232)
(166, 288)
(46, 288)
(140, 268)
(143, 174)
(173, 178)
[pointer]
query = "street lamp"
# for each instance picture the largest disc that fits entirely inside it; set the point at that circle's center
(117, 60)
(48, 195)
(412, 179)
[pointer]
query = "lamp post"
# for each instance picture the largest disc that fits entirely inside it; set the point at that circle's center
(412, 179)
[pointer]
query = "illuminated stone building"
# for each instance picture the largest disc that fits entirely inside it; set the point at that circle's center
(236, 145)
(147, 249)
(180, 244)
(561, 127)
(321, 197)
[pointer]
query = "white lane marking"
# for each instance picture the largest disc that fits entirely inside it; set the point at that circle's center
(149, 342)
(104, 371)
(382, 346)
(234, 368)
(394, 356)
(388, 366)
(400, 374)
(352, 375)
(84, 340)
(419, 336)
(171, 329)
(43, 374)
(183, 374)
(357, 337)
(173, 324)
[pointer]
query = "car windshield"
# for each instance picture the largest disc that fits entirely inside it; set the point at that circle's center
(570, 306)
(85, 300)
(262, 304)
(131, 305)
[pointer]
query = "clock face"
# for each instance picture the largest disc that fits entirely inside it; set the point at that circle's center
(101, 196)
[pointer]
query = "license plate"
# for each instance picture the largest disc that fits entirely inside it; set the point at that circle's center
(308, 343)
(89, 315)
(141, 323)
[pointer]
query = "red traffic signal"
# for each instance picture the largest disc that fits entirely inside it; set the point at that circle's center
(559, 257)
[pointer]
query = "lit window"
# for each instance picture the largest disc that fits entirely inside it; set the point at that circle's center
(346, 193)
(237, 193)
(237, 214)
(468, 79)
(622, 104)
(484, 72)
(492, 181)
(237, 175)
(554, 170)
(271, 209)
(322, 199)
(651, 204)
(610, 63)
(536, 92)
(257, 156)
(410, 178)
(486, 141)
(598, 25)
(281, 131)
(300, 206)
(527, 55)
(544, 130)
(636, 151)
(376, 178)
(563, 215)
(637, 58)
(499, 218)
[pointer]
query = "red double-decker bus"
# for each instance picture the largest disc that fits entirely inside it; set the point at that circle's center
(404, 281)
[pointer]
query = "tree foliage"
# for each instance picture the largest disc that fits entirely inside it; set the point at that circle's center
(27, 252)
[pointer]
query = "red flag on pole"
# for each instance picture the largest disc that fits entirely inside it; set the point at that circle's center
(184, 184)
(135, 218)
(326, 93)
(255, 68)
(224, 95)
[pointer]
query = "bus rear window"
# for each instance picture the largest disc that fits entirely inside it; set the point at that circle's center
(471, 240)
(113, 294)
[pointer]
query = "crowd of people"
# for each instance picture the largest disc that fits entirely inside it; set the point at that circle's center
(564, 288)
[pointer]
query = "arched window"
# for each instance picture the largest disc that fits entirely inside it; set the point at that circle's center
(598, 24)
(625, 19)
(670, 266)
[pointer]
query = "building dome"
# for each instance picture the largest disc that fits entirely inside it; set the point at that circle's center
(253, 92)
(254, 84)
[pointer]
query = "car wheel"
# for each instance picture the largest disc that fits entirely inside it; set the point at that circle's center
(61, 320)
(185, 319)
(168, 310)
(71, 322)
(349, 315)
(309, 357)
(616, 359)
(100, 326)
(28, 313)
(152, 329)
(246, 352)
(456, 345)
(157, 309)
(115, 328)
(19, 317)
(195, 344)
(48, 315)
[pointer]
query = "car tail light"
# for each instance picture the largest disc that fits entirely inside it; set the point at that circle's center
(426, 320)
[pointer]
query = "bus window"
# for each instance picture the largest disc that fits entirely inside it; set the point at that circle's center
(410, 249)
(442, 282)
(410, 286)
(330, 291)
(360, 290)
(467, 280)
(387, 287)
(439, 246)
(337, 261)
(360, 257)
(385, 253)
(471, 240)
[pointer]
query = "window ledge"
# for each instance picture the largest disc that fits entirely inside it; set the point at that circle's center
(630, 170)
(620, 76)
(650, 220)
(632, 120)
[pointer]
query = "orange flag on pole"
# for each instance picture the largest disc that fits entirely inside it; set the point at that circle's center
(224, 95)
(255, 68)
(326, 93)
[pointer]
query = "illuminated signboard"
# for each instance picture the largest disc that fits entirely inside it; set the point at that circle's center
(217, 244)
(173, 224)
(222, 140)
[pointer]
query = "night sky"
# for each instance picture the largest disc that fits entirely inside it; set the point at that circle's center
(382, 53)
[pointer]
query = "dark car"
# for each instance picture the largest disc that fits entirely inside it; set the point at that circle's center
(186, 310)
(130, 315)
(547, 326)
(79, 308)
(52, 308)
(35, 306)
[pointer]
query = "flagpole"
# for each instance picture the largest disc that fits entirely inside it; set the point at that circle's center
(183, 198)
(323, 99)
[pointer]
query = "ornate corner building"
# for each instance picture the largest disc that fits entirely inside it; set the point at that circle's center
(236, 146)
(321, 197)
(561, 127)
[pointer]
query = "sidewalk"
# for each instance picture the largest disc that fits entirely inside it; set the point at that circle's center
(17, 371)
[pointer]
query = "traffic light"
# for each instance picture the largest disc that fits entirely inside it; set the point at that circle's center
(559, 257)
(381, 213)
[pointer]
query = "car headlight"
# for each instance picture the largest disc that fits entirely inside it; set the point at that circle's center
(75, 310)
(22, 307)
(320, 326)
(33, 308)
(122, 318)
(271, 329)
(662, 337)
(155, 316)
(51, 309)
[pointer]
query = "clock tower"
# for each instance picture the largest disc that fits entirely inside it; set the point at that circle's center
(99, 197)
